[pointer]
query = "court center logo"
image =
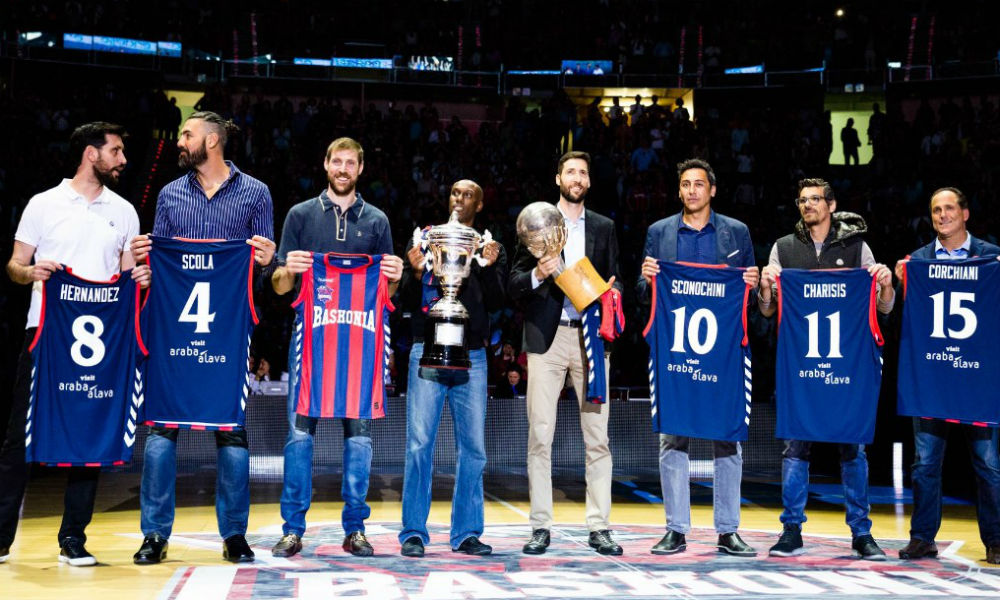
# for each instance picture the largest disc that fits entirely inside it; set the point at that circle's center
(571, 569)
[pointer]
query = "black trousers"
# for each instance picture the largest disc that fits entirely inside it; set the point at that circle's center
(81, 487)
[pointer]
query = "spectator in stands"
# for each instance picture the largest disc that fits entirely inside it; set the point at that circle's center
(851, 142)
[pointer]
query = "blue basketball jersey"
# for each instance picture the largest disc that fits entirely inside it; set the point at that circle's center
(86, 378)
(339, 355)
(699, 355)
(948, 361)
(198, 317)
(829, 359)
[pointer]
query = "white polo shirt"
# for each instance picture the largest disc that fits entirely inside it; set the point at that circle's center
(87, 236)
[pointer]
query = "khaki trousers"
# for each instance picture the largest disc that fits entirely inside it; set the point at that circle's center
(546, 376)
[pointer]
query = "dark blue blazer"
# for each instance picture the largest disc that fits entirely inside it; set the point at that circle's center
(733, 245)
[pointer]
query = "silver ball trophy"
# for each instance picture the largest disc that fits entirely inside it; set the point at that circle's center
(542, 230)
(449, 250)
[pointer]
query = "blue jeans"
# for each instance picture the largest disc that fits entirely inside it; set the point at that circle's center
(466, 393)
(675, 483)
(296, 493)
(930, 436)
(159, 478)
(853, 475)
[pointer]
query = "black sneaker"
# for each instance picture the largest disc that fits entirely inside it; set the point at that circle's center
(472, 546)
(152, 551)
(601, 541)
(74, 554)
(733, 544)
(357, 544)
(290, 544)
(865, 548)
(538, 543)
(789, 544)
(4, 553)
(413, 547)
(672, 543)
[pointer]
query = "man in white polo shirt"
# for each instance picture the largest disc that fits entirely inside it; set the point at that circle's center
(86, 226)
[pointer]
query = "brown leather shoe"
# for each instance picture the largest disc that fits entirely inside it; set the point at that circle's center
(918, 549)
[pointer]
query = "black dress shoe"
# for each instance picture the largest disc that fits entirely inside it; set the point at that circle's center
(733, 544)
(235, 549)
(918, 549)
(672, 543)
(993, 555)
(357, 544)
(472, 545)
(412, 547)
(538, 543)
(601, 541)
(152, 551)
(290, 544)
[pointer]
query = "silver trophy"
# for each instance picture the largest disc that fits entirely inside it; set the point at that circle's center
(449, 250)
(542, 230)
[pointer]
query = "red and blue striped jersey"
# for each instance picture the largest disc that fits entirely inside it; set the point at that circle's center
(86, 372)
(339, 355)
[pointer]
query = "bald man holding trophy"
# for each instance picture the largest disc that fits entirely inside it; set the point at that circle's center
(564, 307)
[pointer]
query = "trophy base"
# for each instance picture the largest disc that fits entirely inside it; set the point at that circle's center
(444, 344)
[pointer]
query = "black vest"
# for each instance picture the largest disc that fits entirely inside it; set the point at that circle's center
(793, 253)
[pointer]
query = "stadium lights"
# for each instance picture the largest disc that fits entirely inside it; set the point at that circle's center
(840, 13)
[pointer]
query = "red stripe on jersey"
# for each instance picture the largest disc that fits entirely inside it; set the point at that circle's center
(330, 339)
(352, 406)
(306, 354)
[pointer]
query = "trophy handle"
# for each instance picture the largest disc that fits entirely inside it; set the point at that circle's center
(420, 241)
(486, 238)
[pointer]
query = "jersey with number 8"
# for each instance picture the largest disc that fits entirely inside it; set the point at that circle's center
(829, 358)
(948, 362)
(86, 375)
(199, 317)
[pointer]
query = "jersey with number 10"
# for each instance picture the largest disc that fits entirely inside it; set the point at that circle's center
(198, 318)
(829, 359)
(948, 362)
(339, 354)
(86, 378)
(699, 356)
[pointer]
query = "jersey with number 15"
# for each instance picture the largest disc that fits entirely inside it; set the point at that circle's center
(198, 317)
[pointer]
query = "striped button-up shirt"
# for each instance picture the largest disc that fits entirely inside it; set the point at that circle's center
(241, 209)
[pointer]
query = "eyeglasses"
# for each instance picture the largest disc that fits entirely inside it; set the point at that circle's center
(812, 200)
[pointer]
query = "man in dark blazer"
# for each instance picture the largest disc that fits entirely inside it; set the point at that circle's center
(698, 234)
(554, 344)
(949, 214)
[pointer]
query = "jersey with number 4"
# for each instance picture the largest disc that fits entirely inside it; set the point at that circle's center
(699, 355)
(948, 362)
(339, 355)
(829, 359)
(86, 378)
(199, 317)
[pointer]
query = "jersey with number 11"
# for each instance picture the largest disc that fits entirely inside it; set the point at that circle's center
(199, 317)
(829, 359)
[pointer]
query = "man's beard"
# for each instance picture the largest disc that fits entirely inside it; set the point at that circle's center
(190, 160)
(564, 191)
(108, 177)
(351, 185)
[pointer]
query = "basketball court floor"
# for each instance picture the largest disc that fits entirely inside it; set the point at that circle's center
(195, 570)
